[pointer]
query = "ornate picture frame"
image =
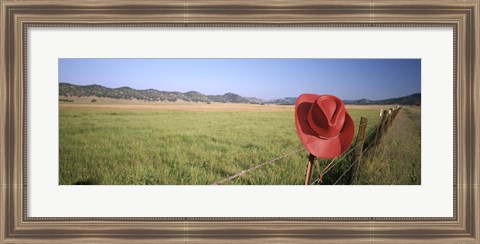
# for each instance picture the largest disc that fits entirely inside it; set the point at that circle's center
(17, 16)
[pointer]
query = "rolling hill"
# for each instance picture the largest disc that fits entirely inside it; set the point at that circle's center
(414, 99)
(153, 95)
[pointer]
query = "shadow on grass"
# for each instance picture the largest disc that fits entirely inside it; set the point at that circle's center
(87, 182)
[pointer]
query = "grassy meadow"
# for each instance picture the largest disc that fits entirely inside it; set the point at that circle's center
(198, 144)
(396, 160)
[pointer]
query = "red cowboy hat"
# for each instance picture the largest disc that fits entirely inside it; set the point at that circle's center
(323, 124)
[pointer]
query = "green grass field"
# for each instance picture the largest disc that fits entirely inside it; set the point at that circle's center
(396, 160)
(183, 145)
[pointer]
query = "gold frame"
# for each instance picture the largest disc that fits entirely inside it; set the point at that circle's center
(17, 16)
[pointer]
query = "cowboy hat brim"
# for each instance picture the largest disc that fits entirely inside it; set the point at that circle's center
(321, 148)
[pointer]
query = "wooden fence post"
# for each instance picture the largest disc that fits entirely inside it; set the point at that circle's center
(378, 133)
(382, 125)
(389, 119)
(308, 175)
(358, 150)
(395, 111)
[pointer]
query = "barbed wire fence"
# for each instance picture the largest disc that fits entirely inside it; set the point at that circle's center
(354, 154)
(257, 167)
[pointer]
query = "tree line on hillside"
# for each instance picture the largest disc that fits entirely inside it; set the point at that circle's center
(153, 95)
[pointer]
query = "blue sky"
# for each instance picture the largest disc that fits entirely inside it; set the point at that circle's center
(262, 78)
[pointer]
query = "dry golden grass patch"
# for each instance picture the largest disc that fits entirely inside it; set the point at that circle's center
(182, 107)
(369, 107)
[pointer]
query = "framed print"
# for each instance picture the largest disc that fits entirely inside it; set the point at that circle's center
(244, 121)
(243, 103)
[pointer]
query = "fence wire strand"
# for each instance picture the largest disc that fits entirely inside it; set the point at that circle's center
(327, 168)
(257, 166)
(344, 173)
(351, 165)
(335, 161)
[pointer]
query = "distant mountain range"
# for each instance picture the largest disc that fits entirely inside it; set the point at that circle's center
(152, 95)
(414, 99)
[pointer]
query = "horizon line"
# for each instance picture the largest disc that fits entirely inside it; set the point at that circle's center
(350, 99)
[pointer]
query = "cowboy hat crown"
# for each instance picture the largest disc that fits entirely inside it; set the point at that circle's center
(326, 116)
(323, 125)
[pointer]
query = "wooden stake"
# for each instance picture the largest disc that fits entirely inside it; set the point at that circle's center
(390, 118)
(381, 124)
(308, 176)
(378, 134)
(362, 129)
